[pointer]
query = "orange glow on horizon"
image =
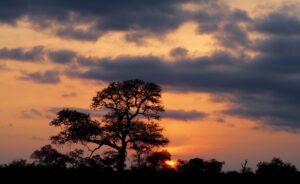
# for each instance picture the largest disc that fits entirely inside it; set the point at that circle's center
(171, 163)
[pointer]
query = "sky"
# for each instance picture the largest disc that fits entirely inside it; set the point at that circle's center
(229, 71)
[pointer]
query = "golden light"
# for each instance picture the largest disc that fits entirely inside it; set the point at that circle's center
(171, 163)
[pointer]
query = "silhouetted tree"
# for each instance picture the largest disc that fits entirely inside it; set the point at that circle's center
(157, 160)
(18, 164)
(275, 167)
(195, 165)
(76, 159)
(198, 165)
(141, 150)
(181, 165)
(94, 161)
(47, 156)
(130, 106)
(213, 166)
(244, 168)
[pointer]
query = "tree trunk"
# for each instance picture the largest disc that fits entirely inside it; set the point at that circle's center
(121, 164)
(121, 161)
(139, 160)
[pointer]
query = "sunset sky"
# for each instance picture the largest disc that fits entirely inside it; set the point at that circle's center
(229, 71)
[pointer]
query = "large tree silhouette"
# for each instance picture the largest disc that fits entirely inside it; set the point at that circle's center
(131, 108)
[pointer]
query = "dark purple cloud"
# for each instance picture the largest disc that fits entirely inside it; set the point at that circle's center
(47, 77)
(20, 54)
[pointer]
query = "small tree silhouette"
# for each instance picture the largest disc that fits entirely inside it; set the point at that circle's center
(76, 158)
(18, 164)
(156, 160)
(49, 157)
(198, 165)
(131, 107)
(244, 168)
(275, 167)
(213, 166)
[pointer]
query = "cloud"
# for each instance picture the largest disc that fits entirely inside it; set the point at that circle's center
(187, 73)
(278, 23)
(278, 54)
(171, 114)
(68, 95)
(3, 67)
(157, 17)
(139, 37)
(37, 138)
(47, 77)
(179, 52)
(87, 21)
(184, 115)
(225, 24)
(78, 34)
(264, 88)
(96, 114)
(62, 56)
(31, 113)
(20, 54)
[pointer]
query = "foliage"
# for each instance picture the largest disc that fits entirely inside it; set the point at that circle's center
(275, 167)
(198, 165)
(131, 107)
(156, 160)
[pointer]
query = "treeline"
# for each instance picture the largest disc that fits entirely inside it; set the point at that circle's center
(51, 166)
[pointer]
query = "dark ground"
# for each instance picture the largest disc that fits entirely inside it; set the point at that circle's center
(92, 176)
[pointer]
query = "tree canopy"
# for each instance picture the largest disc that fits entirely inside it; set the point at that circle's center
(131, 109)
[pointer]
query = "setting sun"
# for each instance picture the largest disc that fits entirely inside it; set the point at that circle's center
(171, 163)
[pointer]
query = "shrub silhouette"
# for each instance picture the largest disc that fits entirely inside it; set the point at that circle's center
(198, 165)
(157, 160)
(47, 156)
(275, 167)
(18, 164)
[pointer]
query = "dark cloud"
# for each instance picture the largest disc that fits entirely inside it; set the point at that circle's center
(78, 34)
(184, 115)
(96, 114)
(21, 54)
(47, 77)
(9, 16)
(138, 37)
(179, 52)
(100, 16)
(278, 23)
(270, 108)
(278, 54)
(171, 114)
(264, 88)
(225, 24)
(62, 56)
(188, 73)
(240, 15)
(88, 20)
(233, 36)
